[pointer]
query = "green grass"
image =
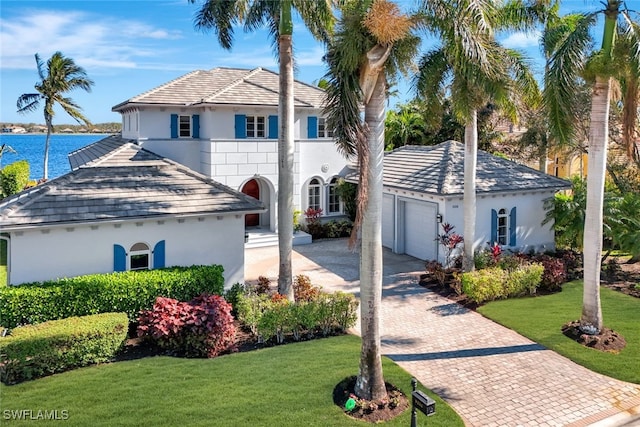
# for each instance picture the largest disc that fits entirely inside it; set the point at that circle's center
(280, 386)
(541, 318)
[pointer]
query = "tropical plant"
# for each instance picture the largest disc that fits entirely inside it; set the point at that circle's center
(404, 126)
(573, 60)
(221, 16)
(373, 41)
(624, 225)
(61, 76)
(474, 70)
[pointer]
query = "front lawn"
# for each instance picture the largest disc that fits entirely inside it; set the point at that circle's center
(541, 318)
(289, 385)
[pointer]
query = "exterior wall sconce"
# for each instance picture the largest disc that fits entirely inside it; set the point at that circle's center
(439, 218)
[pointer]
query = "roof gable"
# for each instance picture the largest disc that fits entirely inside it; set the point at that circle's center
(230, 86)
(439, 170)
(126, 182)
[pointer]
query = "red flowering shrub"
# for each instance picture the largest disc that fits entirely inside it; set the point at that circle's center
(202, 327)
(555, 272)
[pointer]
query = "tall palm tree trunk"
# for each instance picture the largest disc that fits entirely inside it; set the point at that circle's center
(286, 150)
(469, 202)
(597, 160)
(45, 166)
(370, 383)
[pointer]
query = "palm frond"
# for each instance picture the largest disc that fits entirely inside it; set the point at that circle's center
(220, 16)
(566, 62)
(28, 102)
(430, 83)
(317, 16)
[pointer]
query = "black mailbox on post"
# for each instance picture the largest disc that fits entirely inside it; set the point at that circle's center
(424, 403)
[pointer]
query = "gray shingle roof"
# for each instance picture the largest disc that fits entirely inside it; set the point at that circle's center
(123, 183)
(227, 86)
(439, 170)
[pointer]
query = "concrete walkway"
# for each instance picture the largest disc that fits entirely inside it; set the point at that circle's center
(489, 374)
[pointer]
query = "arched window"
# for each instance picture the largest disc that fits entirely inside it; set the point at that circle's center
(503, 226)
(314, 193)
(139, 257)
(334, 200)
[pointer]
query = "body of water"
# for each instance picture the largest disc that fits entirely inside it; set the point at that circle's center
(30, 147)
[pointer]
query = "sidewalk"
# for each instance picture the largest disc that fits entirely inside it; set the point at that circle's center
(489, 374)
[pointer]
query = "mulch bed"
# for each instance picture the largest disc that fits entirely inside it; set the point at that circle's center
(372, 412)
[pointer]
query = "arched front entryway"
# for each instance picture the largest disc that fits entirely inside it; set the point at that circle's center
(252, 188)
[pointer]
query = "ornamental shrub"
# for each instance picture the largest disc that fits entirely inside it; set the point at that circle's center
(555, 272)
(128, 292)
(494, 282)
(272, 319)
(303, 290)
(202, 327)
(35, 351)
(14, 178)
(523, 280)
(484, 285)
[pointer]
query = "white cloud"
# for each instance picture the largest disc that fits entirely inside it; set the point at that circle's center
(93, 42)
(522, 40)
(311, 57)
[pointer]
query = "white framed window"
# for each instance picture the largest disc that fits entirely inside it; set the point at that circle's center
(140, 257)
(314, 192)
(256, 127)
(503, 227)
(184, 126)
(323, 131)
(334, 205)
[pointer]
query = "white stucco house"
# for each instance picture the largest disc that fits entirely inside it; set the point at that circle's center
(124, 208)
(223, 123)
(424, 187)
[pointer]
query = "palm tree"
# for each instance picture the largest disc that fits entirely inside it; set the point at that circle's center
(475, 70)
(373, 41)
(220, 16)
(405, 126)
(629, 79)
(573, 60)
(62, 75)
(4, 148)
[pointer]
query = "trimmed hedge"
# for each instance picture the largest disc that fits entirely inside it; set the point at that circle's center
(274, 318)
(494, 283)
(14, 177)
(128, 292)
(35, 351)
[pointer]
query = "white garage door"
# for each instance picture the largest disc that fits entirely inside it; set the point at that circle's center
(388, 220)
(420, 229)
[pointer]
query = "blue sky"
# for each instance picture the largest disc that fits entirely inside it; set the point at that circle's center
(128, 47)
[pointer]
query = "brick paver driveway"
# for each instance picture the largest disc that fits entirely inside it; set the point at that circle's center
(489, 374)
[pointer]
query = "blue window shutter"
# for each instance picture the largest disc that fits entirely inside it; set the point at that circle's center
(241, 126)
(273, 127)
(119, 258)
(494, 227)
(512, 227)
(158, 255)
(174, 126)
(195, 122)
(312, 127)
